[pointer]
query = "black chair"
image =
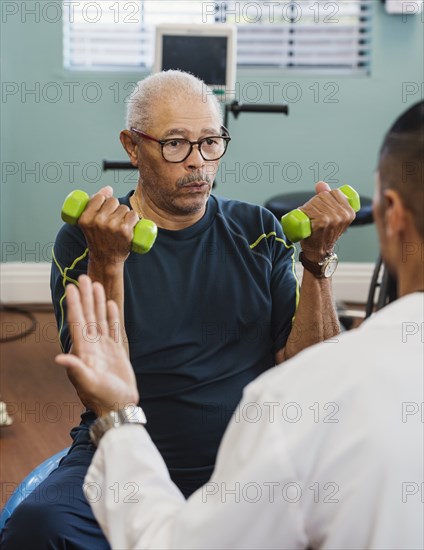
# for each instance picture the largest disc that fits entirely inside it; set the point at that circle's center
(387, 284)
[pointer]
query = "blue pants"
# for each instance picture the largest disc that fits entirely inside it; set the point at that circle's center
(56, 514)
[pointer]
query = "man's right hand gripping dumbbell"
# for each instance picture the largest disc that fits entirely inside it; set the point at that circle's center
(104, 221)
(109, 229)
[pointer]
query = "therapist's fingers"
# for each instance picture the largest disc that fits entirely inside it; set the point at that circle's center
(87, 302)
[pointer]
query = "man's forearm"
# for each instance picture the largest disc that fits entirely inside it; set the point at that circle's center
(316, 318)
(112, 278)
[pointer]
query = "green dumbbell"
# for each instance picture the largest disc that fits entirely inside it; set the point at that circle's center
(145, 231)
(297, 225)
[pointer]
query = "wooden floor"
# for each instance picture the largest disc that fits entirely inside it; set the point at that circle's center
(40, 399)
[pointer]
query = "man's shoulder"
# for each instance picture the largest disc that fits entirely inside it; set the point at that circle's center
(125, 199)
(71, 233)
(70, 242)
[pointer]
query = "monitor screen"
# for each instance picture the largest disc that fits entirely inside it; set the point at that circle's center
(207, 51)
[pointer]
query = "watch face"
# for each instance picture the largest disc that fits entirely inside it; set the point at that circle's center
(330, 267)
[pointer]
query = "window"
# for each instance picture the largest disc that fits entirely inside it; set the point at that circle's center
(318, 35)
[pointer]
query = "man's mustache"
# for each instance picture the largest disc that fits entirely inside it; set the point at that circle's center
(194, 178)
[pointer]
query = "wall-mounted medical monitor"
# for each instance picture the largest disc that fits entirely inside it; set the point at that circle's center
(207, 51)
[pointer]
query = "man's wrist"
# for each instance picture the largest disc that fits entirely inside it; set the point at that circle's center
(316, 256)
(322, 269)
(100, 267)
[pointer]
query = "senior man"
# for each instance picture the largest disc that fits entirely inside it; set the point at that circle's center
(214, 304)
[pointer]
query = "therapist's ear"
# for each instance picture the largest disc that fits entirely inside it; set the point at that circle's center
(130, 146)
(394, 213)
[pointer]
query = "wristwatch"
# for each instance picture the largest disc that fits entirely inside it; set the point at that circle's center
(323, 269)
(128, 415)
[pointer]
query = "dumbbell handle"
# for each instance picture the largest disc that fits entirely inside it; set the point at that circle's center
(145, 231)
(296, 224)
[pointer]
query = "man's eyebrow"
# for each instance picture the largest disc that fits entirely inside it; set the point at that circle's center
(184, 131)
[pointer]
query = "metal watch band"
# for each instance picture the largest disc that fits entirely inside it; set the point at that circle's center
(128, 415)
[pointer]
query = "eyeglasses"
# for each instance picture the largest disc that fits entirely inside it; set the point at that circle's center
(178, 149)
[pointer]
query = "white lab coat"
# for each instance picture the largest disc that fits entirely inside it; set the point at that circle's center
(324, 451)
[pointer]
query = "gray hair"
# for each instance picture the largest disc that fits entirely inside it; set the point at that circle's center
(162, 86)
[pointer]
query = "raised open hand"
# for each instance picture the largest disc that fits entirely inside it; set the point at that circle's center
(98, 366)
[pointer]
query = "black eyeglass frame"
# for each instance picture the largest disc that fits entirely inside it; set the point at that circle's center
(226, 137)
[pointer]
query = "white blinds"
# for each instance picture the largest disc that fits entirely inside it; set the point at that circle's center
(303, 33)
(289, 34)
(118, 33)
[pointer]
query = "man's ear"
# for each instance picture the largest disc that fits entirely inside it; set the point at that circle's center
(394, 213)
(130, 146)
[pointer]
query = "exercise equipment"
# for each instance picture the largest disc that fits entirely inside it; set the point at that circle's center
(27, 486)
(296, 224)
(145, 232)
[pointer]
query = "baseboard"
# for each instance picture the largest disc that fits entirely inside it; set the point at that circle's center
(351, 282)
(28, 283)
(25, 283)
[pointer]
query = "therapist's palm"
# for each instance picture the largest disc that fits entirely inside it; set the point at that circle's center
(98, 366)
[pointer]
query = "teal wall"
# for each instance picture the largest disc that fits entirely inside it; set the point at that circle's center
(64, 141)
